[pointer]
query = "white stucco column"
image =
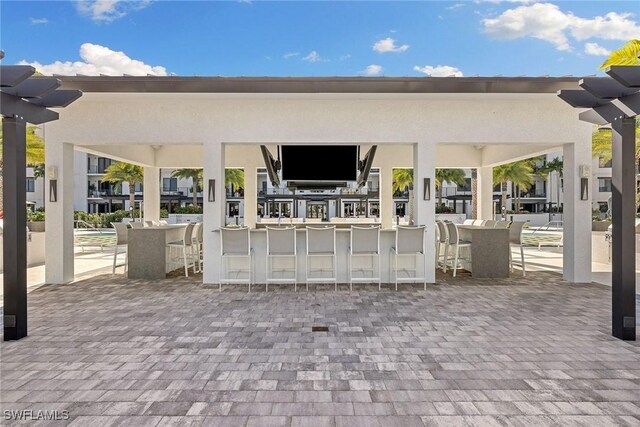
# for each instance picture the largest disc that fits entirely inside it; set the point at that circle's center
(485, 193)
(424, 211)
(250, 196)
(213, 212)
(151, 194)
(386, 195)
(59, 214)
(576, 214)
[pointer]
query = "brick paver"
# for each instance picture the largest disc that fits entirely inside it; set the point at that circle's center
(524, 351)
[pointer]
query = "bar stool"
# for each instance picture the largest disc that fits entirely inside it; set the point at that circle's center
(198, 243)
(515, 239)
(122, 239)
(321, 243)
(409, 243)
(442, 237)
(235, 249)
(186, 247)
(365, 242)
(454, 240)
(281, 247)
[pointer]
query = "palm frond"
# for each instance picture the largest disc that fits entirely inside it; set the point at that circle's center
(626, 55)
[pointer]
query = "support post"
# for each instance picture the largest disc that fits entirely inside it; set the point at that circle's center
(424, 211)
(14, 244)
(151, 194)
(386, 196)
(213, 211)
(576, 214)
(59, 219)
(623, 260)
(250, 196)
(485, 192)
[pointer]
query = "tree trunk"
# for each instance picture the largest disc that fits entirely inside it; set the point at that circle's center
(474, 194)
(132, 198)
(503, 201)
(411, 206)
(1, 193)
(195, 191)
(440, 196)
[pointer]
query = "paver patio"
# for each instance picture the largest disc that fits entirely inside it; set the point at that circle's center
(524, 351)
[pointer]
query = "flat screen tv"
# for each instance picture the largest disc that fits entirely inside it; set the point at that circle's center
(365, 166)
(319, 162)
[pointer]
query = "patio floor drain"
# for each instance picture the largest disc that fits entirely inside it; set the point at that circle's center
(319, 329)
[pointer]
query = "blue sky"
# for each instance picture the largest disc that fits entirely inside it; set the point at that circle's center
(241, 38)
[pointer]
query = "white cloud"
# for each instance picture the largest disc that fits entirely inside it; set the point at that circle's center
(595, 49)
(545, 21)
(39, 21)
(109, 10)
(290, 55)
(439, 71)
(345, 57)
(372, 70)
(313, 56)
(455, 6)
(388, 45)
(97, 60)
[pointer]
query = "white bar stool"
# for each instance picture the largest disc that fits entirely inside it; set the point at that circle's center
(321, 243)
(409, 243)
(281, 246)
(235, 249)
(365, 243)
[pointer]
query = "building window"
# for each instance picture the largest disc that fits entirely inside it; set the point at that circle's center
(604, 164)
(31, 185)
(604, 185)
(103, 164)
(169, 184)
(138, 187)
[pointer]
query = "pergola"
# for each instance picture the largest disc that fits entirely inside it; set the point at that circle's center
(617, 101)
(22, 100)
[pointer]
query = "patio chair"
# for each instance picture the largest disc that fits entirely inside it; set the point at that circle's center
(121, 243)
(490, 223)
(136, 224)
(502, 224)
(162, 222)
(365, 243)
(478, 222)
(281, 247)
(409, 243)
(442, 237)
(321, 244)
(455, 242)
(185, 247)
(196, 242)
(235, 249)
(515, 239)
(467, 222)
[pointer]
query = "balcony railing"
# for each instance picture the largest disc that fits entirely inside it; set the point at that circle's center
(95, 169)
(179, 191)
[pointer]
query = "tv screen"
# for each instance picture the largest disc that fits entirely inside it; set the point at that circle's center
(319, 162)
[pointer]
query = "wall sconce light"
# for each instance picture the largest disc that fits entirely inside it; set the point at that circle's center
(212, 190)
(427, 189)
(52, 174)
(584, 172)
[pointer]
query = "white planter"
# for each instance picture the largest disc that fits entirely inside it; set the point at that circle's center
(455, 218)
(35, 250)
(184, 218)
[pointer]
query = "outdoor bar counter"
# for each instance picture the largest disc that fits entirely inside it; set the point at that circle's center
(147, 252)
(489, 250)
(343, 236)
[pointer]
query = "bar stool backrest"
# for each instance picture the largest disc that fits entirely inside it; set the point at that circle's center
(478, 222)
(235, 241)
(149, 223)
(321, 240)
(410, 240)
(365, 240)
(490, 223)
(468, 222)
(281, 240)
(136, 224)
(122, 236)
(196, 231)
(442, 227)
(188, 234)
(454, 237)
(200, 233)
(163, 222)
(515, 232)
(502, 224)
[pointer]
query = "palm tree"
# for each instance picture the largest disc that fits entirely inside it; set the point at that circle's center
(35, 152)
(556, 165)
(120, 172)
(196, 178)
(601, 140)
(234, 178)
(403, 180)
(452, 176)
(518, 173)
(626, 55)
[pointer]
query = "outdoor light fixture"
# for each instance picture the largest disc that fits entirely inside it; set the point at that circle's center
(585, 172)
(52, 173)
(427, 189)
(212, 190)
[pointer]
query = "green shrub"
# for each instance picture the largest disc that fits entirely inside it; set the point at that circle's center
(188, 210)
